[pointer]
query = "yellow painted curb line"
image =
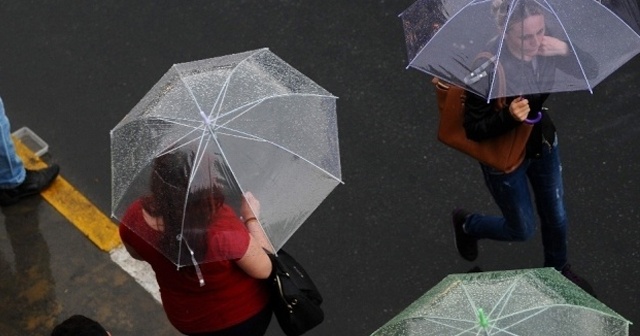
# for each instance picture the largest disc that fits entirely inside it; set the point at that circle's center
(73, 205)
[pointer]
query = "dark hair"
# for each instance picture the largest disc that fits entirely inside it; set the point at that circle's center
(170, 187)
(79, 325)
(525, 9)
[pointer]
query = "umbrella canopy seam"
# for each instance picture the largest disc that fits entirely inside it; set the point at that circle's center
(252, 104)
(223, 91)
(256, 138)
(539, 309)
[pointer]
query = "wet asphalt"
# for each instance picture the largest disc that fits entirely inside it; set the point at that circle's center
(70, 70)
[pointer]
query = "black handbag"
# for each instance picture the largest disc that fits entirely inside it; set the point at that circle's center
(294, 297)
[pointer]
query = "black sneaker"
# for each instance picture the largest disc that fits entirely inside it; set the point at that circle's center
(34, 182)
(467, 245)
(578, 280)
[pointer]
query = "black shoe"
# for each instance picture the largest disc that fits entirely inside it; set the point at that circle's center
(34, 182)
(578, 280)
(467, 245)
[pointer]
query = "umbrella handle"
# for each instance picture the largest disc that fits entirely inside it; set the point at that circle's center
(534, 120)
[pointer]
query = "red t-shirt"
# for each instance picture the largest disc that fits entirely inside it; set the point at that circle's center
(229, 296)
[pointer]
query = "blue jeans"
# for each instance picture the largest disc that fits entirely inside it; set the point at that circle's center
(512, 194)
(12, 171)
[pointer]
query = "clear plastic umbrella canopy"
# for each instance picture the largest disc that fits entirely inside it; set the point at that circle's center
(445, 37)
(246, 122)
(507, 303)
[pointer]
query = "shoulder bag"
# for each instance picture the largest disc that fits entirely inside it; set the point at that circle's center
(505, 152)
(294, 297)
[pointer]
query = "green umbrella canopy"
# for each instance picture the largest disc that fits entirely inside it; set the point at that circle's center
(519, 302)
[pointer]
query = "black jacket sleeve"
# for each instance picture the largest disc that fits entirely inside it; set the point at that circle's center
(482, 121)
(568, 64)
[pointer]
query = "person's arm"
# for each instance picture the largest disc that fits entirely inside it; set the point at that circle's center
(482, 121)
(249, 211)
(567, 60)
(588, 63)
(255, 261)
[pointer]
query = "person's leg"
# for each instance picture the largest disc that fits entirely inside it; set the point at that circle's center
(12, 171)
(546, 180)
(511, 194)
(545, 175)
(16, 182)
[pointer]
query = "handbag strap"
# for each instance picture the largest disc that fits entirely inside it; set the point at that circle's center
(279, 267)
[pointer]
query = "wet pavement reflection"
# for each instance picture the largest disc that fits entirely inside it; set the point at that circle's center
(26, 282)
(49, 271)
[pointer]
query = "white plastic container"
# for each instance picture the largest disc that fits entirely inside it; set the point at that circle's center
(31, 141)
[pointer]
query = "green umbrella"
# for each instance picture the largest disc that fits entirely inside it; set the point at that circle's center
(520, 302)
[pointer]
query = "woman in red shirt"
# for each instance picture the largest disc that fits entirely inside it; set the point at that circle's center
(224, 293)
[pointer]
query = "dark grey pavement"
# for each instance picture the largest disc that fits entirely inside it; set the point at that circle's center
(70, 70)
(49, 271)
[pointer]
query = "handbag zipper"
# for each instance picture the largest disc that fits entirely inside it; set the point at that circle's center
(289, 305)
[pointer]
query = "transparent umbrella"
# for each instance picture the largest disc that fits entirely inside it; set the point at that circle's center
(445, 37)
(628, 10)
(246, 122)
(519, 302)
